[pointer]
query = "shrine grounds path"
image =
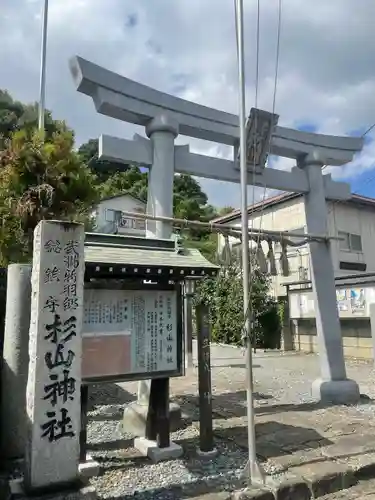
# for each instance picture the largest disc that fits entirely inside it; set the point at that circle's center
(295, 435)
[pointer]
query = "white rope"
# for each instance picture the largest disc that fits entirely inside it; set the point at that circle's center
(214, 226)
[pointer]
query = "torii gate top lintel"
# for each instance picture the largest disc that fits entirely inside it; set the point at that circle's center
(130, 101)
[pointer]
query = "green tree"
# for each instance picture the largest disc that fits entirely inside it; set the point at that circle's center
(104, 170)
(187, 187)
(16, 116)
(224, 296)
(224, 211)
(40, 178)
(207, 245)
(133, 182)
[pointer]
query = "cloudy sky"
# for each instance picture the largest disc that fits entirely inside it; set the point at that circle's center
(326, 77)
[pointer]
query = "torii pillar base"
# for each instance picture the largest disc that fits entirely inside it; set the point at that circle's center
(336, 392)
(135, 418)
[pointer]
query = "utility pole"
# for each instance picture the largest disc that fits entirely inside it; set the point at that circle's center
(43, 53)
(254, 472)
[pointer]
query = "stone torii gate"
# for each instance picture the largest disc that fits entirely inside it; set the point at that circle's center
(165, 116)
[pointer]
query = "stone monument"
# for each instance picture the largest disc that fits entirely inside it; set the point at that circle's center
(15, 361)
(54, 378)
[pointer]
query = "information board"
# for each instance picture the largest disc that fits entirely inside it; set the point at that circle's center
(352, 302)
(130, 334)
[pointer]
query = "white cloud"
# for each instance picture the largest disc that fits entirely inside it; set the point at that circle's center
(326, 73)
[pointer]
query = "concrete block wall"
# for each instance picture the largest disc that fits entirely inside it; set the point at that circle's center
(356, 334)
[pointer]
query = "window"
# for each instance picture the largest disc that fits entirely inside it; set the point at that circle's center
(129, 223)
(112, 215)
(350, 242)
(303, 273)
(124, 222)
(355, 243)
(344, 242)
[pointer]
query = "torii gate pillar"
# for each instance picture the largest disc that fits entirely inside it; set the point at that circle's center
(333, 386)
(162, 131)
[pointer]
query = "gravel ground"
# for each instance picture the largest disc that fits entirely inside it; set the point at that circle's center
(125, 474)
(280, 379)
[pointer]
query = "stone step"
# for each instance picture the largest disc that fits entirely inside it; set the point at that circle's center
(313, 479)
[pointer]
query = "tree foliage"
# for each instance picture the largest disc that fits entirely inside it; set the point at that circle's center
(40, 178)
(224, 296)
(133, 181)
(16, 116)
(207, 245)
(104, 170)
(225, 211)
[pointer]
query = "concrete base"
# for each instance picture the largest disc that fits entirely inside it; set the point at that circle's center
(338, 392)
(88, 469)
(150, 449)
(18, 493)
(207, 455)
(255, 473)
(135, 417)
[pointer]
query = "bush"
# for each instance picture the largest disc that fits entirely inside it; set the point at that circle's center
(270, 326)
(224, 296)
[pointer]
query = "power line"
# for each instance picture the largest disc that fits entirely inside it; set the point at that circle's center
(362, 137)
(372, 127)
(367, 181)
(274, 96)
(367, 131)
(271, 134)
(248, 312)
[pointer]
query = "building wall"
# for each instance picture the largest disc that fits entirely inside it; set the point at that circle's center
(355, 299)
(124, 203)
(286, 217)
(289, 216)
(355, 220)
(356, 337)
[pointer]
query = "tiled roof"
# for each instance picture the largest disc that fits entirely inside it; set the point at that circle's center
(118, 250)
(188, 258)
(121, 195)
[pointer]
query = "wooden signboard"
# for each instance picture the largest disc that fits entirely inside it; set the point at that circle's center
(131, 334)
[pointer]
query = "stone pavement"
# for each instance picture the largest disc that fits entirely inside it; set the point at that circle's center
(329, 447)
(364, 490)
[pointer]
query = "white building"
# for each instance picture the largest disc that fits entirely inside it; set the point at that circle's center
(109, 217)
(353, 220)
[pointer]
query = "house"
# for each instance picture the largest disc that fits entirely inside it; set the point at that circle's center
(109, 217)
(353, 220)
